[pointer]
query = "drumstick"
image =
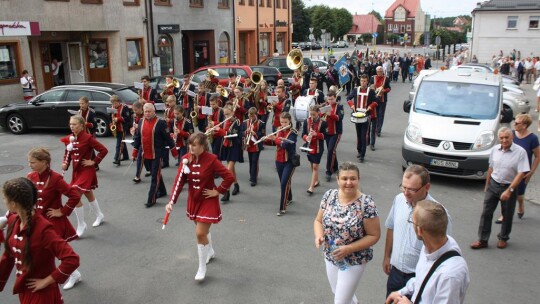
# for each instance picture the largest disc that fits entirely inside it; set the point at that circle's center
(128, 168)
(166, 219)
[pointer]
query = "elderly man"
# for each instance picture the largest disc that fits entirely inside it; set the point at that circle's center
(381, 84)
(442, 275)
(508, 164)
(402, 248)
(152, 140)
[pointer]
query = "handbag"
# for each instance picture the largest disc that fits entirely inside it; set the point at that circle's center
(295, 160)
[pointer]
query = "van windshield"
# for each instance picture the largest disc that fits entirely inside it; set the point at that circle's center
(462, 100)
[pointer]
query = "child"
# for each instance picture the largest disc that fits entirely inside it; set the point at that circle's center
(182, 130)
(170, 102)
(253, 129)
(313, 134)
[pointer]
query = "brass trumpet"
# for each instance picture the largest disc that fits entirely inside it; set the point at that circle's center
(194, 116)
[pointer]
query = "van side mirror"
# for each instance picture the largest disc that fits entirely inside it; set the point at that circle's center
(507, 115)
(407, 106)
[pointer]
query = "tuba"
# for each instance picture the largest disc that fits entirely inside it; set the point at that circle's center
(295, 61)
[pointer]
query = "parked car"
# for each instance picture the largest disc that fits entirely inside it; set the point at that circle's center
(478, 67)
(295, 45)
(316, 46)
(49, 110)
(158, 83)
(270, 74)
(335, 45)
(223, 70)
(342, 44)
(281, 64)
(302, 45)
(321, 64)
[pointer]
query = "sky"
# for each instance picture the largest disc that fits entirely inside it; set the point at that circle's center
(436, 8)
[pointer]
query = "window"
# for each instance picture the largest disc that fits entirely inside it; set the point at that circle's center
(52, 96)
(75, 95)
(261, 3)
(389, 26)
(98, 53)
(533, 22)
(250, 3)
(196, 3)
(399, 14)
(512, 22)
(402, 28)
(9, 62)
(264, 44)
(223, 3)
(135, 53)
(224, 48)
(278, 3)
(132, 2)
(166, 54)
(92, 1)
(408, 27)
(242, 2)
(268, 3)
(163, 2)
(97, 96)
(285, 3)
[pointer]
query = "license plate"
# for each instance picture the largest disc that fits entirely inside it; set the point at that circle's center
(444, 163)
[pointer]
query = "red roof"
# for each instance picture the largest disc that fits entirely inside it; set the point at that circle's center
(363, 24)
(411, 6)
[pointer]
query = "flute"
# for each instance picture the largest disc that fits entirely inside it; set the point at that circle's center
(278, 130)
(209, 131)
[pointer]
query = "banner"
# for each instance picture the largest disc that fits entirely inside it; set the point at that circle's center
(343, 72)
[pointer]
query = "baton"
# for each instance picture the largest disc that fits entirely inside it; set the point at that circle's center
(167, 214)
(125, 172)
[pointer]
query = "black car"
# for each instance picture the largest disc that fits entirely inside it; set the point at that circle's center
(270, 74)
(281, 64)
(49, 110)
(158, 83)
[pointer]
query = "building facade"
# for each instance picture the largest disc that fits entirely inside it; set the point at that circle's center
(362, 24)
(262, 27)
(406, 19)
(503, 26)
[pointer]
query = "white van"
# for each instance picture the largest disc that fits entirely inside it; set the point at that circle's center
(453, 123)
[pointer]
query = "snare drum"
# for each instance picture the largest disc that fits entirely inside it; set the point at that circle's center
(301, 107)
(359, 116)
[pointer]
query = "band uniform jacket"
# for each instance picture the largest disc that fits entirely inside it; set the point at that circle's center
(369, 102)
(51, 186)
(285, 150)
(283, 105)
(168, 116)
(334, 120)
(318, 95)
(152, 139)
(241, 109)
(45, 246)
(149, 94)
(123, 117)
(317, 142)
(182, 130)
(262, 104)
(185, 100)
(257, 126)
(201, 102)
(381, 81)
(90, 122)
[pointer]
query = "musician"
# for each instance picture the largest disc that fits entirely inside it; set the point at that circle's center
(283, 105)
(352, 73)
(313, 91)
(168, 116)
(88, 114)
(222, 100)
(334, 121)
(137, 108)
(285, 141)
(295, 88)
(213, 120)
(152, 139)
(183, 128)
(121, 119)
(201, 118)
(84, 177)
(148, 94)
(231, 146)
(376, 82)
(202, 202)
(308, 70)
(169, 89)
(252, 130)
(260, 97)
(332, 77)
(364, 100)
(313, 133)
(240, 104)
(320, 78)
(185, 99)
(233, 81)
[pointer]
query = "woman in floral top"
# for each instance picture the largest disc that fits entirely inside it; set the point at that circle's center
(347, 225)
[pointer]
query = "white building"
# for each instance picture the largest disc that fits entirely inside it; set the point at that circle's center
(505, 25)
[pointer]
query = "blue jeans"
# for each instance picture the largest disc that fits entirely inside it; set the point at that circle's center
(397, 280)
(285, 173)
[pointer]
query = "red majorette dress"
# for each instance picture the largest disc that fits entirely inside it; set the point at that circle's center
(51, 186)
(45, 247)
(83, 178)
(201, 176)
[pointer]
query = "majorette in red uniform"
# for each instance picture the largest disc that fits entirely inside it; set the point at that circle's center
(313, 132)
(252, 130)
(84, 177)
(202, 201)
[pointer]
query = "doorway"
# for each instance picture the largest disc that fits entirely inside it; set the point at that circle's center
(75, 62)
(242, 44)
(56, 53)
(201, 53)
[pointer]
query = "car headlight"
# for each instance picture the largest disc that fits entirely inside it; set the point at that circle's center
(484, 141)
(414, 134)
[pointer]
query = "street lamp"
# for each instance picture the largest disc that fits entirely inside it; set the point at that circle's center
(323, 38)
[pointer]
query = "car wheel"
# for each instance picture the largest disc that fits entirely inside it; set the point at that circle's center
(16, 124)
(102, 126)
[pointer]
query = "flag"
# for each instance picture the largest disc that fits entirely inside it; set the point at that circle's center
(343, 71)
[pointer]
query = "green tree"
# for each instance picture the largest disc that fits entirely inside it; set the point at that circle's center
(301, 21)
(377, 15)
(321, 17)
(343, 22)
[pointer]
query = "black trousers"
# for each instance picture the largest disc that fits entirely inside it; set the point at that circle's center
(491, 200)
(253, 165)
(121, 152)
(157, 186)
(397, 280)
(361, 137)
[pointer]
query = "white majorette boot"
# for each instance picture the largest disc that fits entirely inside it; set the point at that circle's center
(74, 278)
(81, 224)
(203, 253)
(211, 253)
(99, 215)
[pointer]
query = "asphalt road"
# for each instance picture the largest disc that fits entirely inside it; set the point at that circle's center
(262, 258)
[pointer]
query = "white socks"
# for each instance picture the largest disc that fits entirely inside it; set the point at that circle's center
(99, 215)
(203, 253)
(81, 224)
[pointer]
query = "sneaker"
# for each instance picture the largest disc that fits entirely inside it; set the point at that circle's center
(281, 212)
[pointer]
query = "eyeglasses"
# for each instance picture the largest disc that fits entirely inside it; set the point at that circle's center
(410, 190)
(517, 123)
(410, 220)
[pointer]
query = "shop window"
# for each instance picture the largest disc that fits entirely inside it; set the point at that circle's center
(533, 22)
(224, 48)
(408, 27)
(196, 3)
(223, 3)
(163, 2)
(132, 2)
(278, 3)
(269, 3)
(242, 2)
(280, 43)
(9, 62)
(389, 26)
(165, 52)
(285, 4)
(261, 3)
(135, 53)
(264, 44)
(92, 1)
(98, 53)
(512, 22)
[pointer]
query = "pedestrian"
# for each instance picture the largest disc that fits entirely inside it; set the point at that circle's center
(80, 150)
(28, 85)
(334, 122)
(32, 246)
(508, 165)
(55, 68)
(528, 141)
(402, 248)
(120, 124)
(313, 132)
(153, 140)
(347, 226)
(381, 84)
(442, 275)
(202, 201)
(137, 108)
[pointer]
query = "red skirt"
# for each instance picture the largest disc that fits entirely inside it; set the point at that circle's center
(63, 228)
(206, 211)
(84, 179)
(49, 295)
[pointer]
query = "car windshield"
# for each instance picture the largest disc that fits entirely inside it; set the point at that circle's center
(461, 100)
(127, 95)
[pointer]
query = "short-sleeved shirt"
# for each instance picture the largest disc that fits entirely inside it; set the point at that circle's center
(529, 143)
(507, 164)
(345, 224)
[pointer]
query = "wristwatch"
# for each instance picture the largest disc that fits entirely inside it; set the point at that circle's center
(511, 189)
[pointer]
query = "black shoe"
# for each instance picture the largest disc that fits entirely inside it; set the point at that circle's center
(136, 180)
(148, 205)
(361, 159)
(316, 184)
(328, 178)
(177, 164)
(147, 174)
(379, 134)
(116, 162)
(226, 197)
(358, 155)
(161, 194)
(309, 192)
(236, 189)
(97, 167)
(372, 147)
(253, 184)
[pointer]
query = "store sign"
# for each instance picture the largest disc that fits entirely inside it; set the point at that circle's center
(168, 28)
(281, 23)
(19, 28)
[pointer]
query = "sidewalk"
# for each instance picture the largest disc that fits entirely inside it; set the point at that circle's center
(533, 189)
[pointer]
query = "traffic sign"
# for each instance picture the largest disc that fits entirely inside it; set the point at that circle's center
(375, 35)
(311, 37)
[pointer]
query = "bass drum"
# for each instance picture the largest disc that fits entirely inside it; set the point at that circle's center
(301, 107)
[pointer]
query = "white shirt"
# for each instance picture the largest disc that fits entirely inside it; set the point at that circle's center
(537, 65)
(405, 245)
(507, 164)
(56, 68)
(25, 82)
(449, 282)
(528, 64)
